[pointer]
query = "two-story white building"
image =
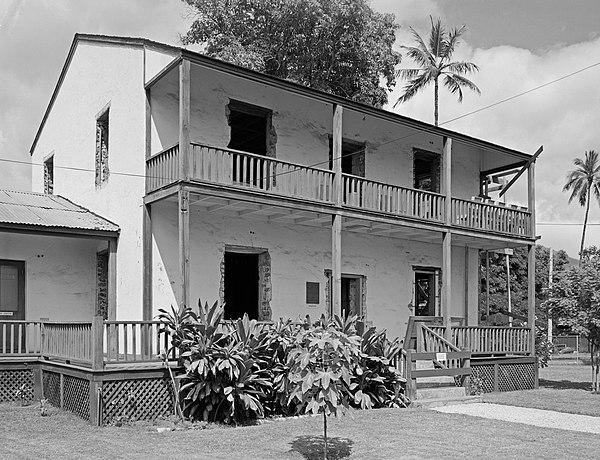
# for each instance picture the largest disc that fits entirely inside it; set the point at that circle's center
(277, 199)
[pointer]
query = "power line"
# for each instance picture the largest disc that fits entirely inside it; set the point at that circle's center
(363, 150)
(566, 223)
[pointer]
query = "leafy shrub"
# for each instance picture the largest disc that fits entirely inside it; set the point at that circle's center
(242, 370)
(543, 348)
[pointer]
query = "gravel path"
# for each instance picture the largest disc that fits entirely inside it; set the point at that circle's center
(537, 417)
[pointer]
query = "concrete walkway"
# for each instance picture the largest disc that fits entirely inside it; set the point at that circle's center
(537, 417)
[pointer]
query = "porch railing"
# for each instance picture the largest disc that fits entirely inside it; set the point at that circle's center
(493, 339)
(377, 196)
(491, 217)
(91, 344)
(232, 167)
(20, 338)
(70, 341)
(271, 176)
(162, 169)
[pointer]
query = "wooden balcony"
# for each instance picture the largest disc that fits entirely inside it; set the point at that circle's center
(273, 177)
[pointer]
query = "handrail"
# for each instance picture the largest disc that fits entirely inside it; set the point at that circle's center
(425, 192)
(491, 217)
(432, 342)
(493, 339)
(260, 157)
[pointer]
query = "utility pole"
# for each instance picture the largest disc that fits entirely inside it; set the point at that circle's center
(550, 269)
(510, 319)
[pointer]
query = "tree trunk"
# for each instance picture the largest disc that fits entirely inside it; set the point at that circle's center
(585, 219)
(435, 102)
(325, 434)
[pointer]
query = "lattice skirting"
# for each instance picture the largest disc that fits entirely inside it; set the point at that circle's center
(136, 399)
(505, 377)
(13, 382)
(70, 393)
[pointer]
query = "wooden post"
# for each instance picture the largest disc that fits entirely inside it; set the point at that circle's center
(97, 343)
(466, 365)
(447, 282)
(531, 196)
(184, 119)
(496, 375)
(95, 398)
(146, 277)
(184, 246)
(336, 265)
(447, 177)
(336, 223)
(411, 382)
(38, 390)
(112, 279)
(531, 296)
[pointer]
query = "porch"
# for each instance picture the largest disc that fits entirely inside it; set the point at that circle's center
(243, 172)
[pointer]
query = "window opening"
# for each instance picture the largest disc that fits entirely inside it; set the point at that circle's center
(241, 285)
(351, 296)
(250, 131)
(426, 171)
(102, 171)
(102, 284)
(49, 175)
(353, 157)
(426, 292)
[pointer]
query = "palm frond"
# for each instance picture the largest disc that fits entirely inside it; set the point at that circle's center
(460, 67)
(407, 74)
(413, 87)
(421, 57)
(437, 38)
(453, 41)
(455, 83)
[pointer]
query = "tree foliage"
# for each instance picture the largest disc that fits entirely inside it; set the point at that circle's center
(583, 182)
(574, 301)
(518, 279)
(434, 61)
(243, 370)
(343, 47)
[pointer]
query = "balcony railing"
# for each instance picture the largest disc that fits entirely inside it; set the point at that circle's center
(377, 196)
(491, 217)
(270, 176)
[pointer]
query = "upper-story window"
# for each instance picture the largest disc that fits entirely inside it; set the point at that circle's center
(102, 171)
(49, 175)
(426, 170)
(250, 128)
(353, 157)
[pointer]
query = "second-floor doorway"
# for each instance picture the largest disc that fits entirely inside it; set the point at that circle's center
(426, 170)
(250, 130)
(353, 157)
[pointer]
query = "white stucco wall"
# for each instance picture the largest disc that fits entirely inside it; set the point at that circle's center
(300, 254)
(102, 76)
(60, 275)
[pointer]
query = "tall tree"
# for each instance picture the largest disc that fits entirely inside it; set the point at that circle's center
(434, 60)
(343, 47)
(574, 301)
(582, 182)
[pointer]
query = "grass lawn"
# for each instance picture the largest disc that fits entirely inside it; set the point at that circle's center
(384, 433)
(564, 387)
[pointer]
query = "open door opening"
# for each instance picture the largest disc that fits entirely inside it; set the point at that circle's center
(12, 305)
(241, 285)
(426, 292)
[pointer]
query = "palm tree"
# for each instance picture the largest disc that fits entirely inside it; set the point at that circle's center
(582, 182)
(436, 61)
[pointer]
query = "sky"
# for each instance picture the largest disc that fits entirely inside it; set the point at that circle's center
(518, 45)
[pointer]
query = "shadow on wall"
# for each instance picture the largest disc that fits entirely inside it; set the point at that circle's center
(311, 447)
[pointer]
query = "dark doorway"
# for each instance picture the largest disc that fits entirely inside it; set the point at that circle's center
(353, 157)
(102, 284)
(351, 296)
(12, 305)
(241, 285)
(426, 171)
(425, 288)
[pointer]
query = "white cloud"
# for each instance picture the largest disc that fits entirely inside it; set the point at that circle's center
(562, 116)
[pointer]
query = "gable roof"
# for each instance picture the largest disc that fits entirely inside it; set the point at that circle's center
(208, 62)
(41, 213)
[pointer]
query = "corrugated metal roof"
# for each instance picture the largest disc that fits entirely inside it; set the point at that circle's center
(53, 211)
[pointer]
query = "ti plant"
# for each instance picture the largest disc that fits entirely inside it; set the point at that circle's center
(320, 370)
